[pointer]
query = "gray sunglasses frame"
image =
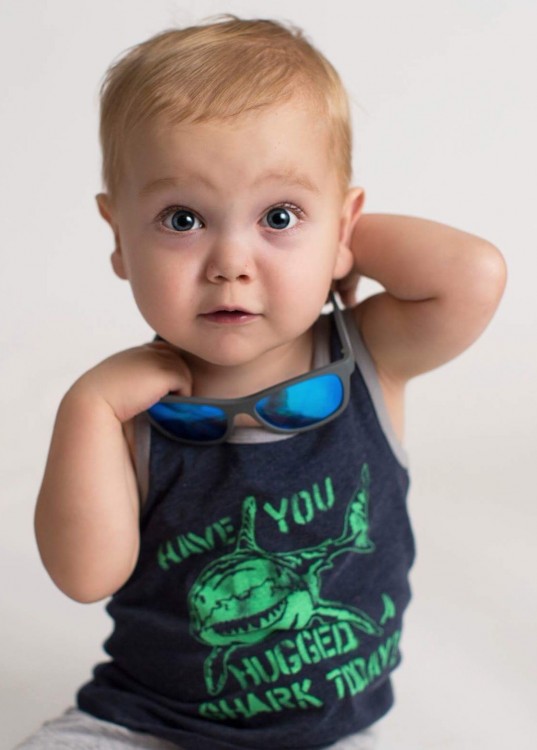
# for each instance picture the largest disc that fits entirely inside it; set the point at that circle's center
(343, 367)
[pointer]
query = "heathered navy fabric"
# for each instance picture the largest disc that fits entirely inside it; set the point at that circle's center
(266, 607)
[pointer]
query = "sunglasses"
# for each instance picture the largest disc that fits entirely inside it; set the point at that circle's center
(295, 405)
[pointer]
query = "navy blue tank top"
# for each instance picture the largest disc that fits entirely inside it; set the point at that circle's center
(266, 606)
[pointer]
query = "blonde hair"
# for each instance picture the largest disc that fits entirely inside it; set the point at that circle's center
(219, 69)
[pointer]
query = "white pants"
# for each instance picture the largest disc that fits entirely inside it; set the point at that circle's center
(77, 730)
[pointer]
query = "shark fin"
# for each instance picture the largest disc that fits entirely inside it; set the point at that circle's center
(246, 539)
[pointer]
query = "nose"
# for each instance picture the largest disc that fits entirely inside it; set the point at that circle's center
(230, 260)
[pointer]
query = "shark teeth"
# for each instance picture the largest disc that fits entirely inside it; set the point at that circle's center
(260, 621)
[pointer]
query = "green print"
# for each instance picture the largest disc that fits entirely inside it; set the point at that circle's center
(291, 655)
(221, 532)
(296, 695)
(389, 609)
(354, 676)
(302, 506)
(246, 595)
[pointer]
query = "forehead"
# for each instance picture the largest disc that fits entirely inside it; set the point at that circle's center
(287, 143)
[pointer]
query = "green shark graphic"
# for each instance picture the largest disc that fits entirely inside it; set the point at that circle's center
(243, 597)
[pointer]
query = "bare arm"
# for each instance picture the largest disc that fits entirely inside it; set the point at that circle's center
(442, 288)
(86, 517)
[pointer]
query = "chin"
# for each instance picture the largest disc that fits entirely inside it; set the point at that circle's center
(222, 357)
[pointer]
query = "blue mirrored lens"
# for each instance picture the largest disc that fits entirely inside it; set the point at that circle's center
(197, 422)
(302, 404)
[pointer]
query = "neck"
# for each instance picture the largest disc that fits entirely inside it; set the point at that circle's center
(272, 367)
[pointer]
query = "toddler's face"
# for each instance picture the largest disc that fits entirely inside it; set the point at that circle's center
(229, 231)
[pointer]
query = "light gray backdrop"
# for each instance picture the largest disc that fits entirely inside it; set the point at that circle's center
(445, 121)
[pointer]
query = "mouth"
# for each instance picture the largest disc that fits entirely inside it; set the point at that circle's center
(229, 315)
(256, 622)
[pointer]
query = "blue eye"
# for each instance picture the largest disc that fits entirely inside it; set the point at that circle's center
(182, 220)
(279, 218)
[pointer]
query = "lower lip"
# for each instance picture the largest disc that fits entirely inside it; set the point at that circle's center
(230, 318)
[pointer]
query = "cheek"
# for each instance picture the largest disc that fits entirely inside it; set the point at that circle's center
(155, 270)
(155, 289)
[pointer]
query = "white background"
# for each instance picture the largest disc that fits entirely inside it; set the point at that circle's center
(445, 120)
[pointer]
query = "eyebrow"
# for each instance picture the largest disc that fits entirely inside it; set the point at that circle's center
(290, 177)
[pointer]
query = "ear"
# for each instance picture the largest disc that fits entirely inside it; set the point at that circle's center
(350, 213)
(106, 210)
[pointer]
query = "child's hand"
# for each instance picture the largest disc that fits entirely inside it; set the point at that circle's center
(133, 380)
